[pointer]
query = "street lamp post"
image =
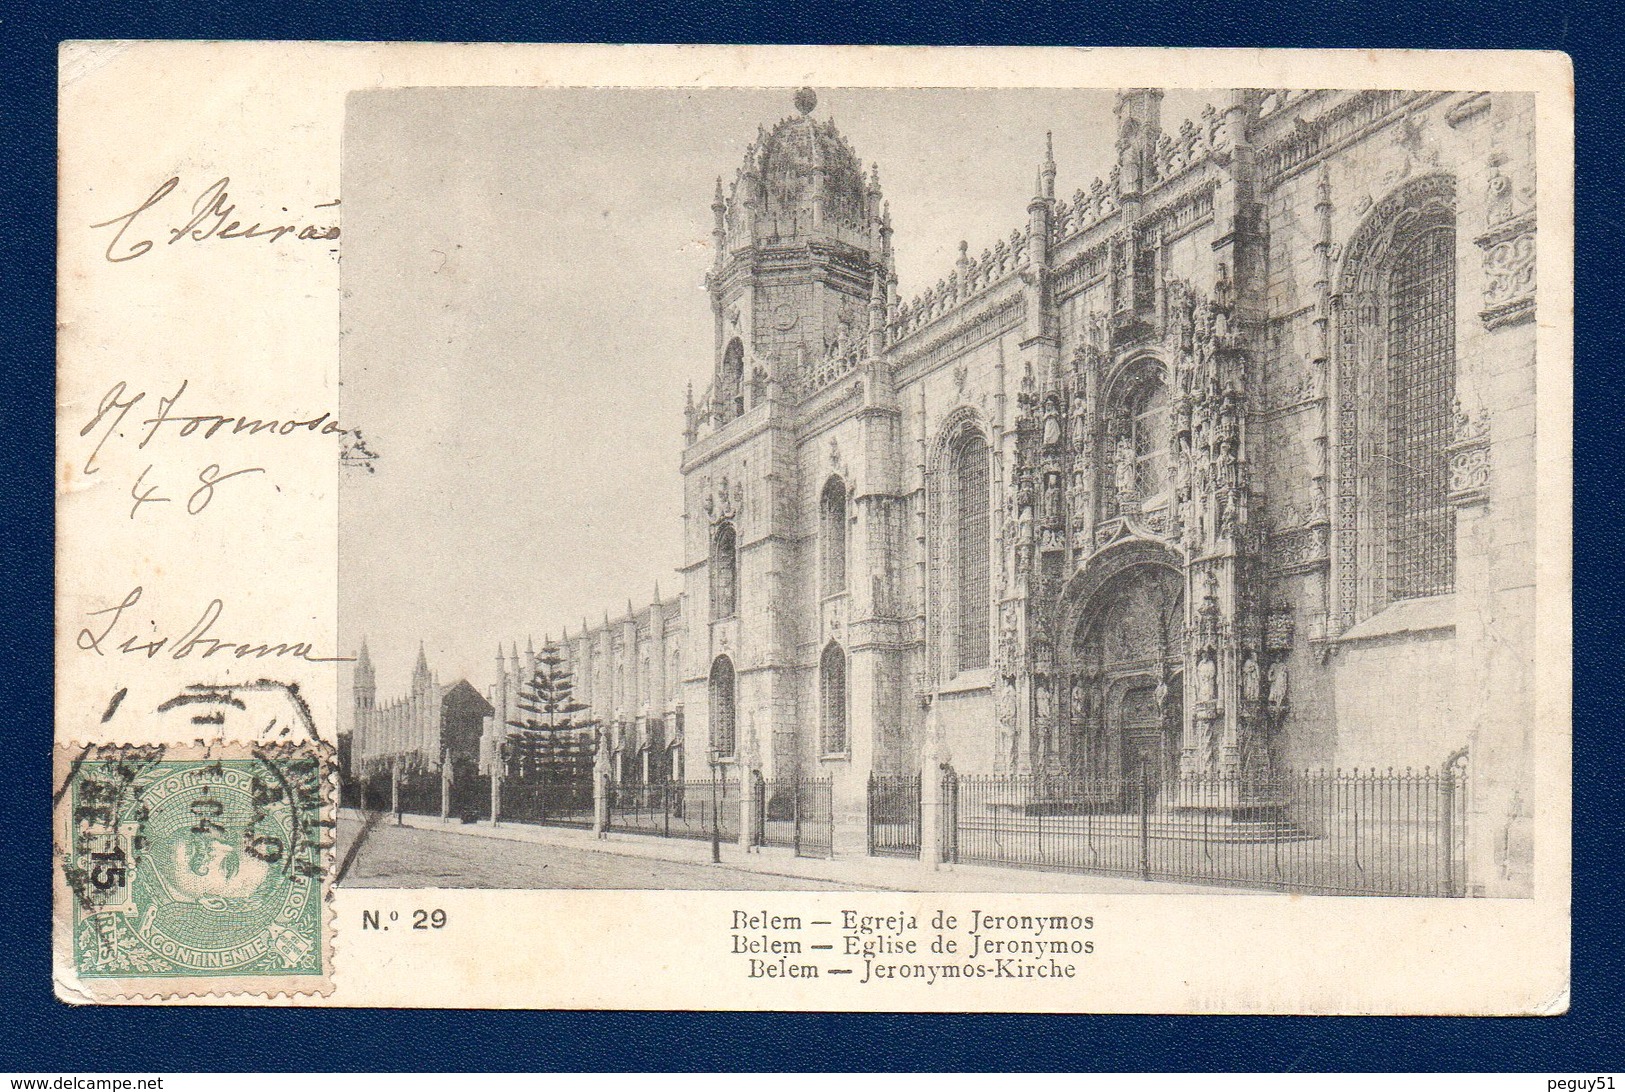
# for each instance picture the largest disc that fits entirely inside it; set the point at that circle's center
(714, 756)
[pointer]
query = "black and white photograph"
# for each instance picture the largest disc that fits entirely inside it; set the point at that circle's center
(1051, 490)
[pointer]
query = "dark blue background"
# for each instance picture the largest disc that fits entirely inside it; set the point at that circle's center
(37, 1033)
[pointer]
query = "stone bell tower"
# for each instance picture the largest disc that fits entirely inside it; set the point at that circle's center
(796, 249)
(800, 257)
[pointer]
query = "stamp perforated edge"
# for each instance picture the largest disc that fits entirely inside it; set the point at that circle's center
(72, 988)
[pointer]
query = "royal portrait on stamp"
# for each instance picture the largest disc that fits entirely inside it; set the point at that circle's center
(195, 862)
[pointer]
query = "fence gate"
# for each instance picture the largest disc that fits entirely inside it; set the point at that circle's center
(797, 814)
(894, 816)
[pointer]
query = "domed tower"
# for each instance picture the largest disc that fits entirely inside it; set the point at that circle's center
(799, 292)
(801, 247)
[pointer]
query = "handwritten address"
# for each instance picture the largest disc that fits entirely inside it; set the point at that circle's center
(212, 215)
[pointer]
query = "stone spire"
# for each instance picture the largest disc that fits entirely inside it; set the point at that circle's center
(421, 679)
(366, 680)
(1046, 173)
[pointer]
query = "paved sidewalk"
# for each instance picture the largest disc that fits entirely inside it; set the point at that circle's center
(875, 873)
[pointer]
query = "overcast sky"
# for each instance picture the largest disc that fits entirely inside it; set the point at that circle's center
(524, 305)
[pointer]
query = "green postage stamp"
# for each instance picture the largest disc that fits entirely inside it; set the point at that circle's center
(193, 870)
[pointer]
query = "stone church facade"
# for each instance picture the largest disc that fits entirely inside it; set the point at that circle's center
(1222, 465)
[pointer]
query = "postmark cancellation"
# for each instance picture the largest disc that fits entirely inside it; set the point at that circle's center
(202, 869)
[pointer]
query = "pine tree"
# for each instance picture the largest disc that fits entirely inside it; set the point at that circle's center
(548, 734)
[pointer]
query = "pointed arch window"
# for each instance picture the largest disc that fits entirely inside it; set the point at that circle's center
(832, 526)
(731, 384)
(968, 468)
(1421, 390)
(832, 699)
(724, 572)
(1396, 387)
(724, 737)
(1148, 432)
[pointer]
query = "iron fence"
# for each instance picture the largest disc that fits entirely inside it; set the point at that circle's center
(471, 798)
(373, 791)
(676, 809)
(797, 813)
(1337, 833)
(557, 802)
(894, 816)
(420, 793)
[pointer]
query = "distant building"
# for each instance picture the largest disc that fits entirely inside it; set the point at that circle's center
(627, 673)
(425, 727)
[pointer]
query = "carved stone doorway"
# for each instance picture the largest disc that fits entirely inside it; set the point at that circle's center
(1128, 663)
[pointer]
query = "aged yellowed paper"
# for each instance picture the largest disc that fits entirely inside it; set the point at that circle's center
(814, 528)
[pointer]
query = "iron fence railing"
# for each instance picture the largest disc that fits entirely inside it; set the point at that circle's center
(676, 809)
(894, 816)
(372, 792)
(797, 813)
(558, 802)
(420, 793)
(471, 798)
(1341, 833)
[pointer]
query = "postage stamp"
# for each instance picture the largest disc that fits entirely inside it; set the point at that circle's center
(193, 869)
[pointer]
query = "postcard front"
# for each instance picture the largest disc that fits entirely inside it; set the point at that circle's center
(842, 528)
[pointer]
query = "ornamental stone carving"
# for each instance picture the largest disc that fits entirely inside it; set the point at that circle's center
(1509, 255)
(1469, 454)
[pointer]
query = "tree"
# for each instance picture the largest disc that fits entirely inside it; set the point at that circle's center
(548, 735)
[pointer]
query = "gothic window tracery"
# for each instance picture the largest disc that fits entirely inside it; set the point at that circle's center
(832, 526)
(724, 736)
(1148, 424)
(970, 490)
(1396, 380)
(1138, 443)
(731, 380)
(1421, 364)
(724, 572)
(832, 699)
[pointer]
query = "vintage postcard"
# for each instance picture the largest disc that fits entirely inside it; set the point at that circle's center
(814, 528)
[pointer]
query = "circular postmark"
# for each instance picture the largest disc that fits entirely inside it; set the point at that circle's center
(206, 865)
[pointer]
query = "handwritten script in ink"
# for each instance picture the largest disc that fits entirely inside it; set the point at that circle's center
(212, 216)
(168, 422)
(103, 636)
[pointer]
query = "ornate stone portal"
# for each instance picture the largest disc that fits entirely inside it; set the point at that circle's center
(1142, 593)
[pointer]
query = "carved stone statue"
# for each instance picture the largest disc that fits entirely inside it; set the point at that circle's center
(1052, 498)
(1043, 704)
(1249, 678)
(1207, 680)
(1161, 697)
(1009, 647)
(1006, 704)
(1052, 425)
(1280, 683)
(1124, 468)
